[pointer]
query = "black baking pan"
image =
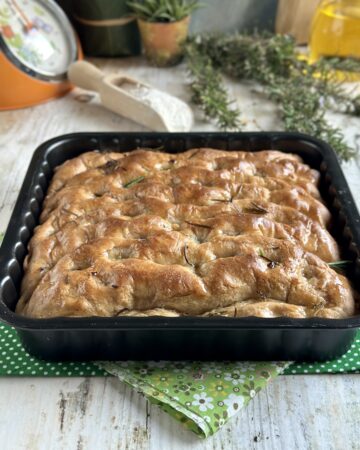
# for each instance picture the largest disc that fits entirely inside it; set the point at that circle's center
(119, 338)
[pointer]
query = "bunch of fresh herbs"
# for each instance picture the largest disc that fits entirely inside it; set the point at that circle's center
(303, 92)
(208, 91)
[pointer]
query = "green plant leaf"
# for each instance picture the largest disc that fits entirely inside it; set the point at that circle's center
(339, 265)
(163, 10)
(133, 182)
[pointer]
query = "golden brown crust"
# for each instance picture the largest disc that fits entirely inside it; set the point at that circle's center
(204, 232)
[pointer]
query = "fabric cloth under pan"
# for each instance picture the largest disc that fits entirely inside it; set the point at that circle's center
(201, 395)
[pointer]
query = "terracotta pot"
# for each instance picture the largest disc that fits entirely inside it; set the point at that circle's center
(163, 42)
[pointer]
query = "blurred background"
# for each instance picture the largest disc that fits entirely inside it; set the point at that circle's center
(285, 16)
(227, 15)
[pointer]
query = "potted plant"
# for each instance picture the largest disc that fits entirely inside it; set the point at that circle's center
(163, 26)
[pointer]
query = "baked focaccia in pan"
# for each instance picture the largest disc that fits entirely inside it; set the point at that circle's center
(200, 233)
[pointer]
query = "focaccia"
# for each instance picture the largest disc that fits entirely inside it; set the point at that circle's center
(200, 233)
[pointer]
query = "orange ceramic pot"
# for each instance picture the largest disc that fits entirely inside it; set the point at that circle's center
(163, 42)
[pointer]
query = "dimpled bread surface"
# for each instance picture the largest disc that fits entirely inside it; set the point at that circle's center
(201, 233)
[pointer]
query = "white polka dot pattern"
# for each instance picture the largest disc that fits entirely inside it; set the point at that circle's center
(14, 360)
(348, 362)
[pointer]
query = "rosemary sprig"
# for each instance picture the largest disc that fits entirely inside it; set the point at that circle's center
(68, 211)
(302, 91)
(133, 182)
(185, 256)
(194, 154)
(339, 265)
(221, 200)
(208, 91)
(198, 225)
(255, 209)
(343, 262)
(271, 263)
(344, 64)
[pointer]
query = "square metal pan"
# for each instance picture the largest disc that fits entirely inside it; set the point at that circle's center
(118, 338)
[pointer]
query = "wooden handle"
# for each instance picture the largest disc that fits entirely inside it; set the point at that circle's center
(85, 75)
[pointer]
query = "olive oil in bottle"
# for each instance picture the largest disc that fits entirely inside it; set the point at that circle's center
(336, 31)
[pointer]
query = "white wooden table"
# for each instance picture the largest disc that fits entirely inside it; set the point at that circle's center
(294, 412)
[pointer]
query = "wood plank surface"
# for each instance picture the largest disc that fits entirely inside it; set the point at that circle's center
(312, 412)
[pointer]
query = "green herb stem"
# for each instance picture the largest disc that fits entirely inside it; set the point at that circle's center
(133, 182)
(303, 92)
